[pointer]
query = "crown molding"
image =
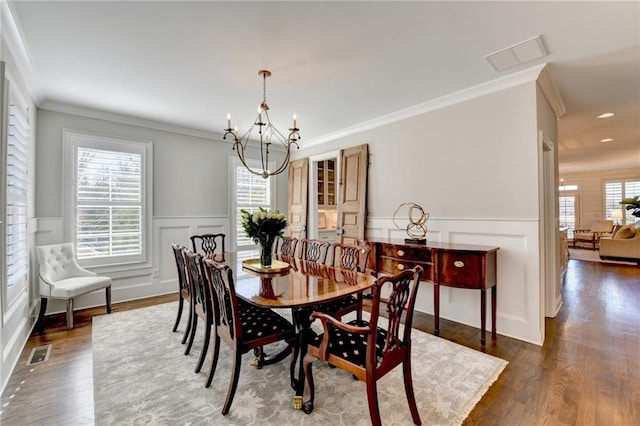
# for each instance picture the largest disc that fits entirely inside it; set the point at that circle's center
(550, 92)
(11, 34)
(512, 80)
(141, 122)
(126, 119)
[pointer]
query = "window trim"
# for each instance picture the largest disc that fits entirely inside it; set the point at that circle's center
(71, 140)
(233, 162)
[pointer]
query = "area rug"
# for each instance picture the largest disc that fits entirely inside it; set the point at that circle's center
(593, 256)
(142, 377)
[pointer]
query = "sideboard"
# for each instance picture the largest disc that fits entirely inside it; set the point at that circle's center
(445, 264)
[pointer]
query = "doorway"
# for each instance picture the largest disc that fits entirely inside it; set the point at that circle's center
(323, 196)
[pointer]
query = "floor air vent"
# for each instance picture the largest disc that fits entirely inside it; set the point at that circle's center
(39, 354)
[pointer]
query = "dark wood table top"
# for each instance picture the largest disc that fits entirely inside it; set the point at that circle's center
(304, 284)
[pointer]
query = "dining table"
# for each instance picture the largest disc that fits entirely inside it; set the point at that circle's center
(296, 284)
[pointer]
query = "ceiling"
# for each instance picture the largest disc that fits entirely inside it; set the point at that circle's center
(335, 64)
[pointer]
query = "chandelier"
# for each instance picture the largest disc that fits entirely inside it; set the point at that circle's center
(268, 134)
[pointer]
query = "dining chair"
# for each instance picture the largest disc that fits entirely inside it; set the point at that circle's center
(314, 250)
(200, 303)
(242, 327)
(208, 243)
(285, 246)
(61, 277)
(353, 258)
(184, 292)
(366, 349)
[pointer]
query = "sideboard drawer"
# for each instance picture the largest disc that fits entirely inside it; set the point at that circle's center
(392, 266)
(460, 269)
(420, 254)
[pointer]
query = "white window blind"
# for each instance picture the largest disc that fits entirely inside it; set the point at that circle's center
(613, 196)
(252, 192)
(615, 192)
(17, 262)
(109, 203)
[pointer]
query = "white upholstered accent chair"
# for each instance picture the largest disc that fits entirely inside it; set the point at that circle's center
(61, 277)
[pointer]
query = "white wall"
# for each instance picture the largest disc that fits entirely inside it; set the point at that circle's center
(473, 166)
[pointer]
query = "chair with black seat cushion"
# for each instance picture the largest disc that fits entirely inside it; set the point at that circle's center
(200, 303)
(208, 243)
(314, 250)
(367, 350)
(242, 326)
(285, 246)
(184, 292)
(61, 277)
(353, 258)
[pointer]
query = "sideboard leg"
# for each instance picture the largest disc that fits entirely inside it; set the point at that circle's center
(436, 309)
(483, 316)
(494, 305)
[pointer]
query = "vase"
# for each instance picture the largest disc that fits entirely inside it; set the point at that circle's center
(266, 250)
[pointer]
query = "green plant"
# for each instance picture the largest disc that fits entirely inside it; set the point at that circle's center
(632, 204)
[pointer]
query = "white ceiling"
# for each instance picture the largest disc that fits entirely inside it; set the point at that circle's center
(335, 64)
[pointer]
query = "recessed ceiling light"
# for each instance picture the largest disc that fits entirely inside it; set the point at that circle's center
(606, 140)
(607, 115)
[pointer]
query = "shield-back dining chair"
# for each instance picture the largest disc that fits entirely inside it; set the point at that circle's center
(366, 349)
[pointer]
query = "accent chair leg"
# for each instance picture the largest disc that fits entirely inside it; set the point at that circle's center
(43, 309)
(70, 313)
(108, 296)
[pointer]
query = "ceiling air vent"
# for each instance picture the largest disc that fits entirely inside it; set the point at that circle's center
(518, 54)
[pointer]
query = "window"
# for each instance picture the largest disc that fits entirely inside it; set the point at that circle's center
(16, 196)
(108, 198)
(615, 192)
(568, 204)
(251, 193)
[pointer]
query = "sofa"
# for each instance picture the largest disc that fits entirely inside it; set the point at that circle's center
(623, 245)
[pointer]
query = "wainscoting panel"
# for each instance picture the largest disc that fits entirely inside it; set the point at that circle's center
(519, 312)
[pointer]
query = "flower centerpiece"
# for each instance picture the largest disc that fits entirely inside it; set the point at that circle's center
(263, 227)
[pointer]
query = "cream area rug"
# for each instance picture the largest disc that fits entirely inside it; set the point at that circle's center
(142, 377)
(593, 256)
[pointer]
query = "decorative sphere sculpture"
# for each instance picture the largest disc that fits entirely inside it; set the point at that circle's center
(416, 228)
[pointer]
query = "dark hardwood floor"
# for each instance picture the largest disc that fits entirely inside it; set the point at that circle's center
(587, 372)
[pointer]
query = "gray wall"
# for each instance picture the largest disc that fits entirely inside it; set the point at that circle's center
(190, 193)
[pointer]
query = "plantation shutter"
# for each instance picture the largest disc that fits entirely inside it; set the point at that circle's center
(252, 192)
(108, 203)
(16, 195)
(613, 196)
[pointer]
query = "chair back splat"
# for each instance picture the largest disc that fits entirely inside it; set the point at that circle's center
(353, 258)
(208, 243)
(314, 250)
(365, 349)
(201, 303)
(285, 246)
(184, 292)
